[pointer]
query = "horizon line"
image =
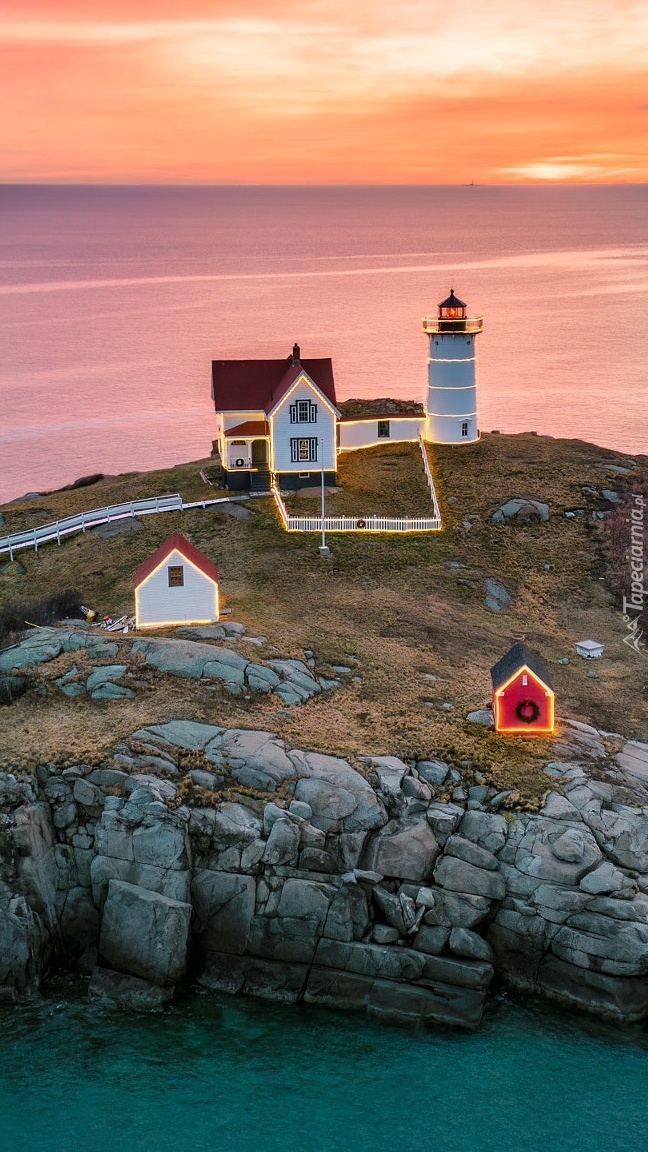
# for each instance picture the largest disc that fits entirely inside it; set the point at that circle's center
(51, 183)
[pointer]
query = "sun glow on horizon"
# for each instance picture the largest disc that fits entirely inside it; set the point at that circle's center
(216, 91)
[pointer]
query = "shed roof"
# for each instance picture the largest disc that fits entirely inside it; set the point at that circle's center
(247, 428)
(176, 542)
(251, 385)
(517, 657)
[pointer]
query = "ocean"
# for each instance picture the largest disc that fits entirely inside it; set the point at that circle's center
(114, 301)
(217, 1073)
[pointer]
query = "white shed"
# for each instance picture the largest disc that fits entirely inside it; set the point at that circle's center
(176, 585)
(590, 649)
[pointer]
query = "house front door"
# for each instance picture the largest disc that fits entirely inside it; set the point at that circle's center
(259, 452)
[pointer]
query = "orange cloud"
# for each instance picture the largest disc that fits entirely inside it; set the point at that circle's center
(213, 91)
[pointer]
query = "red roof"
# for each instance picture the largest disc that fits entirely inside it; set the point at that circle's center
(248, 428)
(249, 385)
(176, 543)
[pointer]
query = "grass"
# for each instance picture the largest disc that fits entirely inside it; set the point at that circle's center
(398, 604)
(388, 480)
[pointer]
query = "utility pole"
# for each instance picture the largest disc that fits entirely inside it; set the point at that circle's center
(324, 550)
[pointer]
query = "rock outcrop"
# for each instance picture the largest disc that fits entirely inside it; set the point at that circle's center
(191, 654)
(291, 875)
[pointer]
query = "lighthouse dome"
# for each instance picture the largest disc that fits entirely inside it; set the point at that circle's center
(452, 301)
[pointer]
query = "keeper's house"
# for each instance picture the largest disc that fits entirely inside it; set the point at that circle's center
(176, 585)
(280, 417)
(523, 696)
(276, 416)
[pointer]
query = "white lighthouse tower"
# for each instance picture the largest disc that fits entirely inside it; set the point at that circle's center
(451, 403)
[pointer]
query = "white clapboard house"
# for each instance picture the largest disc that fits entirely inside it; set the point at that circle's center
(176, 585)
(281, 416)
(276, 416)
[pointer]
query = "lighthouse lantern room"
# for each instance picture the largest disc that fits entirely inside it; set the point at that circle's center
(451, 402)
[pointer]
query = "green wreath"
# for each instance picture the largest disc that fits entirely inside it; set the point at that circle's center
(527, 711)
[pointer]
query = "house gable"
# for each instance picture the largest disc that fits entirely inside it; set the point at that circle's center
(303, 428)
(176, 542)
(293, 391)
(524, 703)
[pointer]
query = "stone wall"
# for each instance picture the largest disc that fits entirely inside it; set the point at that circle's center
(402, 889)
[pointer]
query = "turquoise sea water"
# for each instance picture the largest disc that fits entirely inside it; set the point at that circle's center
(240, 1075)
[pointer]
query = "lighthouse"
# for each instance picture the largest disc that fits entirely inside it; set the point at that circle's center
(451, 402)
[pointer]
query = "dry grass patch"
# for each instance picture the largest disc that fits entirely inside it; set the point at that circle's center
(398, 604)
(387, 480)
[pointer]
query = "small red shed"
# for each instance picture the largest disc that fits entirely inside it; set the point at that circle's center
(523, 695)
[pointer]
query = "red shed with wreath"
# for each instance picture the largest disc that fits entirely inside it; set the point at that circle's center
(523, 695)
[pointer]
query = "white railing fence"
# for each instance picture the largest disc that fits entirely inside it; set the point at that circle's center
(81, 521)
(430, 479)
(294, 522)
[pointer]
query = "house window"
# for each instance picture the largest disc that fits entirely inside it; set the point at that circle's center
(383, 429)
(303, 412)
(305, 449)
(525, 679)
(176, 575)
(465, 428)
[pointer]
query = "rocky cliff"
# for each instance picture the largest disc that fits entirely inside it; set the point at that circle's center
(198, 853)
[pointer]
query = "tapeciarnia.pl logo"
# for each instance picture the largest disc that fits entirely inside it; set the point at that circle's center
(633, 604)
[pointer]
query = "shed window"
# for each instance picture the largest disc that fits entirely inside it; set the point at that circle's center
(176, 575)
(525, 679)
(303, 412)
(383, 429)
(305, 449)
(465, 428)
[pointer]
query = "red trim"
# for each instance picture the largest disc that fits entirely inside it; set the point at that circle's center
(176, 543)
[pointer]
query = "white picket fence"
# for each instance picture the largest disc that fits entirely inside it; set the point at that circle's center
(81, 521)
(173, 502)
(297, 523)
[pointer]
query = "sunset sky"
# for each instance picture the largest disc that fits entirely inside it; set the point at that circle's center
(324, 91)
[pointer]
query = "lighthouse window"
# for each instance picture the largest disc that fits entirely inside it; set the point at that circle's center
(383, 429)
(465, 427)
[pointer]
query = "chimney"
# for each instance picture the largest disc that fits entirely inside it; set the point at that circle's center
(296, 353)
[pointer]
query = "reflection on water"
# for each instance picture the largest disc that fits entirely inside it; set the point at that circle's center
(115, 300)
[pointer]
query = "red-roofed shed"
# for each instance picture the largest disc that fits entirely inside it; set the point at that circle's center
(177, 584)
(523, 695)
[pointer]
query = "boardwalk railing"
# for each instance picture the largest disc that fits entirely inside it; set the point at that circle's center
(297, 523)
(173, 502)
(47, 533)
